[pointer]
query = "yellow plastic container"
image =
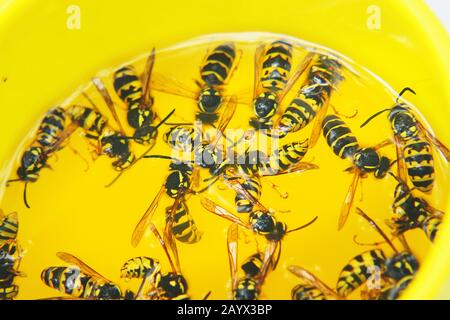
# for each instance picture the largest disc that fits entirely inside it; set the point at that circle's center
(44, 57)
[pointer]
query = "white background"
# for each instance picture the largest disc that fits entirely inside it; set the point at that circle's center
(442, 10)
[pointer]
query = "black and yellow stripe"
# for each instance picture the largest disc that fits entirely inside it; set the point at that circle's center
(9, 227)
(183, 138)
(184, 227)
(140, 267)
(288, 155)
(357, 271)
(339, 137)
(51, 127)
(253, 186)
(71, 281)
(305, 292)
(8, 292)
(92, 122)
(68, 280)
(276, 66)
(252, 266)
(314, 95)
(419, 162)
(128, 86)
(431, 226)
(218, 64)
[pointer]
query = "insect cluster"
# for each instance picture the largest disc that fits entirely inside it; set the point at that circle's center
(233, 163)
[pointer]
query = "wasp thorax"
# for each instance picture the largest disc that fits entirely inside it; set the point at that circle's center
(401, 265)
(138, 117)
(367, 159)
(175, 181)
(265, 105)
(403, 122)
(209, 100)
(262, 222)
(206, 156)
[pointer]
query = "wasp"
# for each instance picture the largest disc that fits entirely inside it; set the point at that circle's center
(104, 139)
(206, 152)
(10, 255)
(261, 219)
(180, 181)
(413, 212)
(164, 286)
(79, 281)
(272, 80)
(413, 142)
(256, 268)
(216, 70)
(50, 137)
(313, 98)
(390, 272)
(364, 160)
(311, 288)
(136, 95)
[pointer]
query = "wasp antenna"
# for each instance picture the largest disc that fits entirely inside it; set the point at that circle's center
(304, 226)
(165, 119)
(376, 227)
(158, 156)
(374, 116)
(25, 195)
(406, 89)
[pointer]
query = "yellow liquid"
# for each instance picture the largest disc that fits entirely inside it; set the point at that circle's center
(72, 211)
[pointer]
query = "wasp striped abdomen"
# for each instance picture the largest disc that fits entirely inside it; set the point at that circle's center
(87, 118)
(51, 128)
(305, 292)
(184, 228)
(253, 186)
(324, 75)
(339, 137)
(128, 85)
(218, 64)
(419, 163)
(358, 270)
(276, 66)
(9, 227)
(140, 267)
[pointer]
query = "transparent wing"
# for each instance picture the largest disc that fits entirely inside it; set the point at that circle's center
(299, 70)
(71, 259)
(239, 188)
(98, 83)
(155, 231)
(232, 245)
(298, 167)
(312, 280)
(146, 78)
(348, 202)
(145, 221)
(402, 173)
(221, 212)
(168, 232)
(317, 129)
(227, 114)
(170, 85)
(259, 54)
(442, 148)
